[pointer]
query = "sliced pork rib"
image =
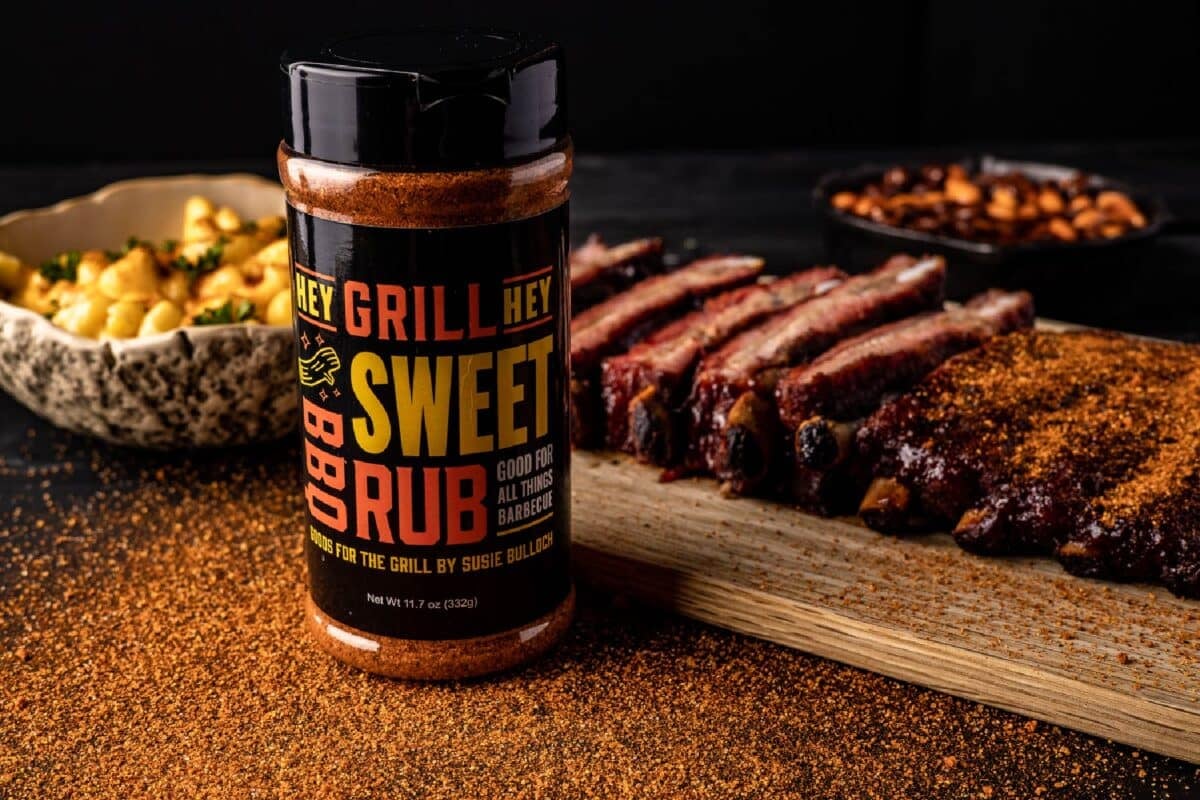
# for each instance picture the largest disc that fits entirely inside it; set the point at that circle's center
(822, 404)
(1083, 444)
(599, 271)
(849, 380)
(644, 388)
(623, 319)
(734, 431)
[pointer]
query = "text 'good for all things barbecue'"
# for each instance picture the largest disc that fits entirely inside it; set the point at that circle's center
(734, 427)
(620, 321)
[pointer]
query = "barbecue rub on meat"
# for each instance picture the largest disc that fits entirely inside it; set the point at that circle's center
(644, 388)
(1081, 444)
(615, 324)
(823, 403)
(734, 431)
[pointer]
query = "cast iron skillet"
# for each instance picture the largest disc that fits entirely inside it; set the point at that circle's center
(858, 243)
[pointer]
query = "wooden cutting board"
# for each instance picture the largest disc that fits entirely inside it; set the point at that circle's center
(1117, 661)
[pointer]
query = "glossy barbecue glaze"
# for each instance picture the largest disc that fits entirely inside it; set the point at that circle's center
(822, 404)
(1083, 444)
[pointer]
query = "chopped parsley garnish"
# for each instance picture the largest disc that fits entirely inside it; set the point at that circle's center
(209, 260)
(63, 267)
(130, 244)
(168, 245)
(226, 313)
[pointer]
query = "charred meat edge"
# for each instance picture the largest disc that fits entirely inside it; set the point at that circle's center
(735, 429)
(623, 319)
(1081, 444)
(643, 389)
(822, 404)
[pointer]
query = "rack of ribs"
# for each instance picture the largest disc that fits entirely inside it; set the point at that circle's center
(623, 319)
(599, 271)
(734, 429)
(1081, 444)
(643, 389)
(822, 404)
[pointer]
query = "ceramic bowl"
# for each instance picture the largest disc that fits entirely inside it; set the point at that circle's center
(207, 386)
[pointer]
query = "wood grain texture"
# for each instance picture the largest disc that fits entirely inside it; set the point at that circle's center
(1117, 661)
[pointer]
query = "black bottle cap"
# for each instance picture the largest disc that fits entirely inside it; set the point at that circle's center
(425, 98)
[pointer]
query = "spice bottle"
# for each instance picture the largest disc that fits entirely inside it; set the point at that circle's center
(426, 179)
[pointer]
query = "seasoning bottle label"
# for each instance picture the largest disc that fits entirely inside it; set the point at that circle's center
(432, 368)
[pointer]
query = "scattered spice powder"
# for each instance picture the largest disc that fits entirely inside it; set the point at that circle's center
(153, 647)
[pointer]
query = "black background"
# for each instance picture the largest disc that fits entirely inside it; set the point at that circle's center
(167, 80)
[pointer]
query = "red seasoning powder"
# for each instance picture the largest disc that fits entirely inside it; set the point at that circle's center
(426, 175)
(149, 649)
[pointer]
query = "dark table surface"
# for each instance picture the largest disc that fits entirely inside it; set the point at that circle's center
(756, 203)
